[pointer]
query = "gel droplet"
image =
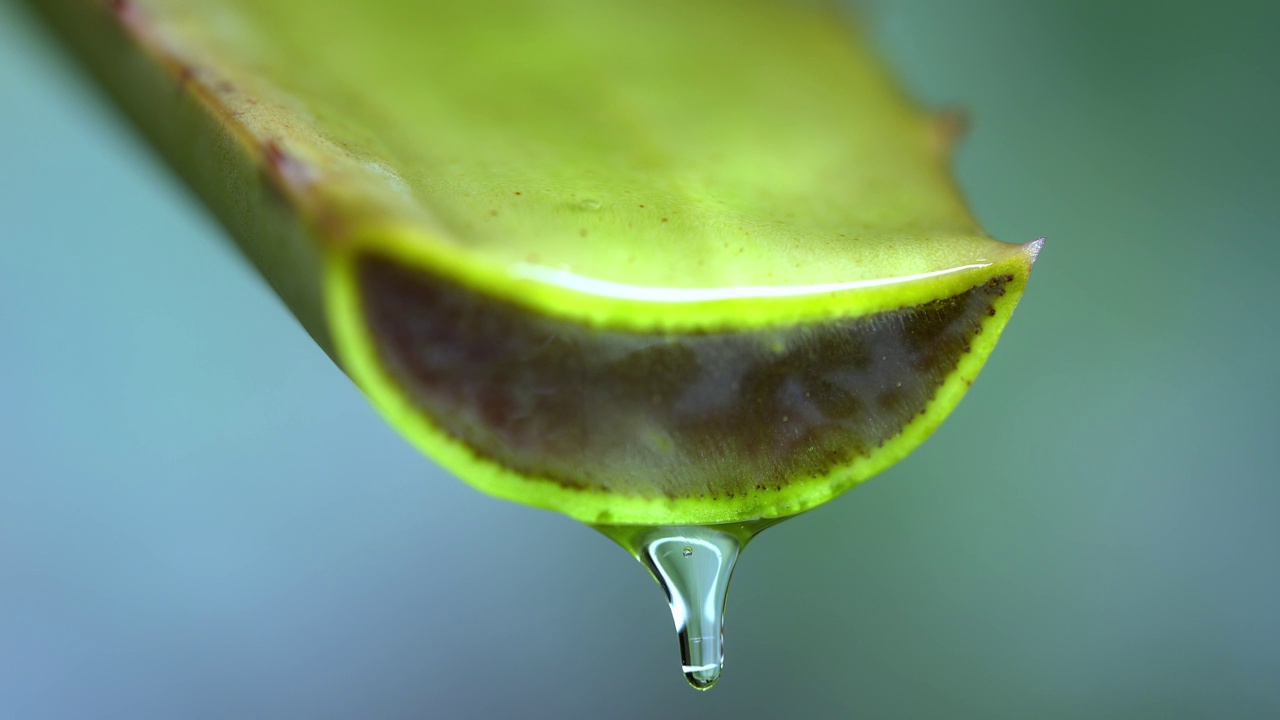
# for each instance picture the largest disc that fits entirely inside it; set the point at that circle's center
(693, 564)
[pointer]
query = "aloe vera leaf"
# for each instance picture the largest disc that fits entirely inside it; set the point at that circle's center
(638, 262)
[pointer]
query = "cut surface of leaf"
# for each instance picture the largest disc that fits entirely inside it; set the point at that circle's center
(653, 262)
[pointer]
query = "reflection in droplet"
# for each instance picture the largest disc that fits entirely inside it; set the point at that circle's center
(693, 564)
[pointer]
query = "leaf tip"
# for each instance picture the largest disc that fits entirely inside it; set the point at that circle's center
(1032, 250)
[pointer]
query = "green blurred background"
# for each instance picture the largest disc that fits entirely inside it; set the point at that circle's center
(200, 517)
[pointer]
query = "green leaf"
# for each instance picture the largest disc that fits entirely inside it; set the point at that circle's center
(645, 262)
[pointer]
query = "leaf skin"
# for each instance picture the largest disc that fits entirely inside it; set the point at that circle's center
(604, 171)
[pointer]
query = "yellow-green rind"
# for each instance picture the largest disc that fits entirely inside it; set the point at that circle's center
(622, 306)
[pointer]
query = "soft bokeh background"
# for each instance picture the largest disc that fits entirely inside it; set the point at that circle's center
(200, 517)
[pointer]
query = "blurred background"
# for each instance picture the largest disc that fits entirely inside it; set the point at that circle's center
(200, 517)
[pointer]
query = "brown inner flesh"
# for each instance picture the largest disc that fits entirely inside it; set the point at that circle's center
(706, 414)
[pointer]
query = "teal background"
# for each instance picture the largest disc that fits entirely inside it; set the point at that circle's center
(200, 517)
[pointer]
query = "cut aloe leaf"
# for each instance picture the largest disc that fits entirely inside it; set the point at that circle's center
(655, 262)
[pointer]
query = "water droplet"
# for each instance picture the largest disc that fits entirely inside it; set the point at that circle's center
(693, 564)
(589, 204)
